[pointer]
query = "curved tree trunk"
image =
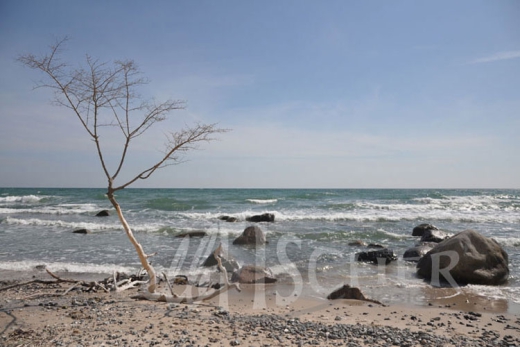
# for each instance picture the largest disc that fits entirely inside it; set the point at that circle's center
(139, 249)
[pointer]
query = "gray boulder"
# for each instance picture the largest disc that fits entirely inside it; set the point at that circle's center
(253, 274)
(252, 235)
(481, 260)
(421, 228)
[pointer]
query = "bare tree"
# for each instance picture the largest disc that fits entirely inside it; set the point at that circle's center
(102, 94)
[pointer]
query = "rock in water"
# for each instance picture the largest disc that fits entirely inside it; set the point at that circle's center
(104, 213)
(421, 228)
(253, 274)
(252, 235)
(81, 231)
(481, 260)
(383, 256)
(228, 219)
(192, 234)
(266, 217)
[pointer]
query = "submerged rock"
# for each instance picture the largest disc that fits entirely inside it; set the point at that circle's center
(466, 258)
(192, 234)
(228, 219)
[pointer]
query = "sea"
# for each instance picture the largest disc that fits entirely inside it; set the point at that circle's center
(308, 243)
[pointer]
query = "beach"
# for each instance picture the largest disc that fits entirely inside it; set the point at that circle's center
(311, 251)
(259, 315)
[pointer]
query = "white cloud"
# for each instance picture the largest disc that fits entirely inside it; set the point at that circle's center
(497, 57)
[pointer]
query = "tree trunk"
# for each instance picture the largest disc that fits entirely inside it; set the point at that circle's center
(139, 249)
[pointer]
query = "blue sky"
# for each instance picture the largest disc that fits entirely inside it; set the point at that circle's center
(318, 94)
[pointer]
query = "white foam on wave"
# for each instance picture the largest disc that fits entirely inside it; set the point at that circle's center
(263, 201)
(61, 224)
(25, 199)
(64, 209)
(30, 265)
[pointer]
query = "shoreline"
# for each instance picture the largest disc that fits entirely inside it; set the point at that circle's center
(259, 315)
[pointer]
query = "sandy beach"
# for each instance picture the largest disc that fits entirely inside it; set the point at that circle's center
(260, 315)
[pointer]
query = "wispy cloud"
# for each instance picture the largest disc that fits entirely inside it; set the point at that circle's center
(497, 57)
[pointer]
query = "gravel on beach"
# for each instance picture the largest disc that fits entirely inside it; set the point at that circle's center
(114, 319)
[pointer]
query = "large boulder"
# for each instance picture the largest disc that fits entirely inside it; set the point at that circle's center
(434, 235)
(253, 274)
(228, 262)
(383, 256)
(466, 258)
(417, 252)
(266, 217)
(421, 228)
(252, 235)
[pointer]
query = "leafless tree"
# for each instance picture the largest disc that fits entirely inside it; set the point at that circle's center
(102, 94)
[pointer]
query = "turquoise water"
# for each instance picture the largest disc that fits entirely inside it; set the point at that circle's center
(308, 242)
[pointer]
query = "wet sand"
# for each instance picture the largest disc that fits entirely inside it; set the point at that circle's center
(260, 315)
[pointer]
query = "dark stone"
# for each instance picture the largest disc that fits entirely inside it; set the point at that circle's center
(417, 252)
(228, 219)
(434, 235)
(357, 243)
(81, 231)
(104, 213)
(193, 234)
(348, 292)
(421, 228)
(383, 256)
(252, 235)
(481, 260)
(253, 274)
(229, 263)
(266, 217)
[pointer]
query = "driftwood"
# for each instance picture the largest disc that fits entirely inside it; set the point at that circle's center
(112, 284)
(172, 297)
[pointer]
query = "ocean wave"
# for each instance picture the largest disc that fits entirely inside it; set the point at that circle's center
(369, 215)
(61, 224)
(262, 201)
(25, 199)
(64, 209)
